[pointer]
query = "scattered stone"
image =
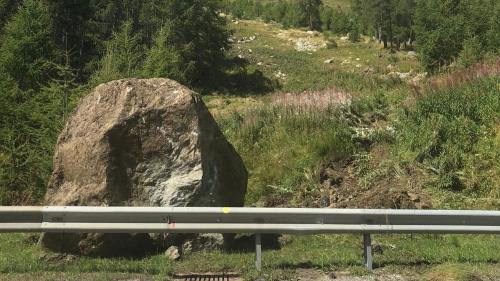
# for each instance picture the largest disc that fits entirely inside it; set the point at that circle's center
(280, 75)
(412, 54)
(304, 45)
(344, 38)
(358, 65)
(241, 56)
(358, 59)
(328, 61)
(172, 253)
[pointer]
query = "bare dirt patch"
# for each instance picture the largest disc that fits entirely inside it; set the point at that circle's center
(342, 188)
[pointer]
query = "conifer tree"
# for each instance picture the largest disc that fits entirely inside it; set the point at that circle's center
(27, 48)
(123, 56)
(196, 37)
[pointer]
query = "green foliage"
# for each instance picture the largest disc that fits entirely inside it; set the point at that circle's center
(341, 22)
(290, 13)
(123, 56)
(471, 53)
(388, 20)
(447, 30)
(448, 128)
(354, 35)
(34, 100)
(29, 126)
(192, 43)
(282, 145)
(162, 59)
(27, 48)
(493, 36)
(7, 7)
(311, 11)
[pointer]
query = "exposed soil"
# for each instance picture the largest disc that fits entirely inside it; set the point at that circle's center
(344, 189)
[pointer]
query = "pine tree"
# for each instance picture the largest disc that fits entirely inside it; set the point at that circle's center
(123, 56)
(196, 36)
(27, 48)
(311, 12)
(162, 60)
(7, 8)
(28, 123)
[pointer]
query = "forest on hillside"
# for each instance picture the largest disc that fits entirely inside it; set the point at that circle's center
(54, 52)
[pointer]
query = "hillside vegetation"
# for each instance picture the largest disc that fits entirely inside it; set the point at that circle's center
(376, 104)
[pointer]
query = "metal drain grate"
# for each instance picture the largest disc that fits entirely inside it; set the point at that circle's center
(207, 277)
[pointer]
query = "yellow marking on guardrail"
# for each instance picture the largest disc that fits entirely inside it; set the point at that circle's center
(226, 210)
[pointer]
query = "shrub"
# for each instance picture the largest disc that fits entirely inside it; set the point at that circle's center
(471, 53)
(445, 129)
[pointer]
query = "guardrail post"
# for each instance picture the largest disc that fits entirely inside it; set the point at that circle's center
(367, 247)
(258, 251)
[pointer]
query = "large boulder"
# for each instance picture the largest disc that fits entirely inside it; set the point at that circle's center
(143, 143)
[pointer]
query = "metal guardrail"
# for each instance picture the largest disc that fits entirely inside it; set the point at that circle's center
(247, 220)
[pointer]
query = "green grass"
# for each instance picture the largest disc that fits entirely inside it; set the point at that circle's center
(454, 132)
(282, 146)
(417, 253)
(272, 53)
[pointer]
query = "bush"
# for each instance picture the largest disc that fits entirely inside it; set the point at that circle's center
(472, 52)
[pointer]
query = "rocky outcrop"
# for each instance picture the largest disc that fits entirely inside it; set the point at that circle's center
(145, 143)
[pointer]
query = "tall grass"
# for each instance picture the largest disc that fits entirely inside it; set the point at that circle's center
(282, 144)
(454, 132)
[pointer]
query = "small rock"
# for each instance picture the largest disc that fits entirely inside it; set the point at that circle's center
(172, 253)
(369, 70)
(412, 54)
(328, 61)
(187, 248)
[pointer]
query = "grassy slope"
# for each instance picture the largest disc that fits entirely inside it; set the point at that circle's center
(271, 53)
(283, 149)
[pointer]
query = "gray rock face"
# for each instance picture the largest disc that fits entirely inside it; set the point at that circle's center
(145, 143)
